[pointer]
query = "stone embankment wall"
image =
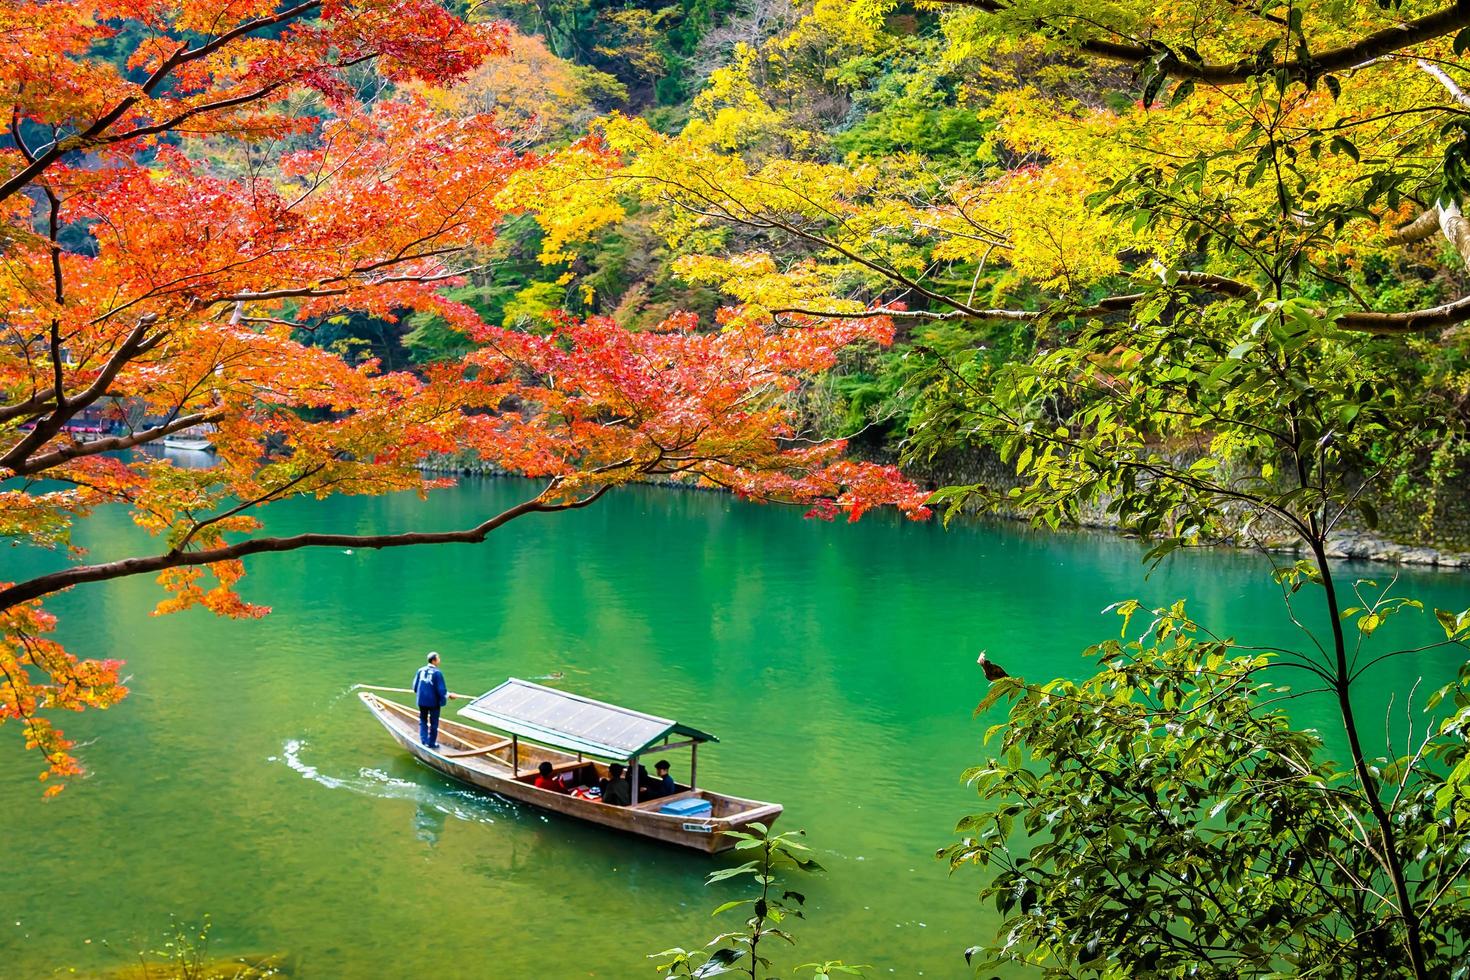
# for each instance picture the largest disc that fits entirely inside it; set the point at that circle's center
(1438, 534)
(459, 464)
(469, 464)
(1435, 535)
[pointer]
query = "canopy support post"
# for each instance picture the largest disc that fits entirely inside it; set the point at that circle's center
(693, 761)
(633, 781)
(515, 756)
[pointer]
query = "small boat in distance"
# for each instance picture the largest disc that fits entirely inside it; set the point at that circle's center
(196, 438)
(541, 724)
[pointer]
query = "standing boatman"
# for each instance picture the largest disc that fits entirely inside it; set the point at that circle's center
(433, 694)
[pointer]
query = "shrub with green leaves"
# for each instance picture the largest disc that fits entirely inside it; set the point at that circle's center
(1164, 817)
(741, 950)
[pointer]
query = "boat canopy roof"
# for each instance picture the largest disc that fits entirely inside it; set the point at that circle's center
(574, 722)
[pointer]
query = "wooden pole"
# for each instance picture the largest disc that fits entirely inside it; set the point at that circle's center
(493, 747)
(515, 756)
(693, 761)
(633, 781)
(453, 695)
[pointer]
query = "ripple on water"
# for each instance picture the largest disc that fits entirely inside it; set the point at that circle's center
(459, 803)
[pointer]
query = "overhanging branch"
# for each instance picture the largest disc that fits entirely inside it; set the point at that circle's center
(308, 292)
(1366, 48)
(1109, 305)
(1417, 230)
(44, 585)
(94, 133)
(1414, 321)
(40, 464)
(1366, 321)
(135, 344)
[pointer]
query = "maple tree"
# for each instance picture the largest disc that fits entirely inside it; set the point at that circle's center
(176, 226)
(530, 90)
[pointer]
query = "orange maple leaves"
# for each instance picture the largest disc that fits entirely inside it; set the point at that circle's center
(172, 244)
(37, 674)
(210, 66)
(597, 404)
(175, 215)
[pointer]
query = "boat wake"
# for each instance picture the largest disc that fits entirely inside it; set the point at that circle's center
(458, 803)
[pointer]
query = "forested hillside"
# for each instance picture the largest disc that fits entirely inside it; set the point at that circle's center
(762, 81)
(929, 164)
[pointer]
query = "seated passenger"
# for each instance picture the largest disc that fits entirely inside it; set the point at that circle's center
(616, 789)
(663, 784)
(546, 780)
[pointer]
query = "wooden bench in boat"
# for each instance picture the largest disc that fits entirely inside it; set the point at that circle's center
(484, 750)
(659, 801)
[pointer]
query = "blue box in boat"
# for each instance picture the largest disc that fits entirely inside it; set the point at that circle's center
(690, 806)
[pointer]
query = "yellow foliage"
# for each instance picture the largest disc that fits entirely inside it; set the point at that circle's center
(572, 197)
(1052, 237)
(730, 113)
(838, 28)
(749, 178)
(757, 284)
(529, 90)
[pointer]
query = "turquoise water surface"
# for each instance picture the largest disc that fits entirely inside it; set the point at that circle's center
(836, 662)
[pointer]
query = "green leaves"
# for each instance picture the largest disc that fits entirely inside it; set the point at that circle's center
(1153, 74)
(1164, 818)
(831, 968)
(740, 951)
(1341, 144)
(1456, 625)
(955, 499)
(1193, 424)
(750, 867)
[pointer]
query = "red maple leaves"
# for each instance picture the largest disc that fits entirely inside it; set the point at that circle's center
(175, 231)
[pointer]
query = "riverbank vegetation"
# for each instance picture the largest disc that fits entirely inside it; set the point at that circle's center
(1202, 268)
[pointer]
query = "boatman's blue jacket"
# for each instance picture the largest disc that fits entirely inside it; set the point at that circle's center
(429, 685)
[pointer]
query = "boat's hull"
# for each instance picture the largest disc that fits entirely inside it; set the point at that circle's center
(494, 772)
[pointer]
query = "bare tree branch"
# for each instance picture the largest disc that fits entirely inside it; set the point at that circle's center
(1366, 321)
(43, 585)
(304, 292)
(1417, 230)
(40, 464)
(135, 344)
(1414, 321)
(1365, 49)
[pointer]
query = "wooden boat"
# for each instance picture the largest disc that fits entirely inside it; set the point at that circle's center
(541, 724)
(193, 439)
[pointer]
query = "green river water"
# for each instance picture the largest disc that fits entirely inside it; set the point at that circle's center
(836, 662)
